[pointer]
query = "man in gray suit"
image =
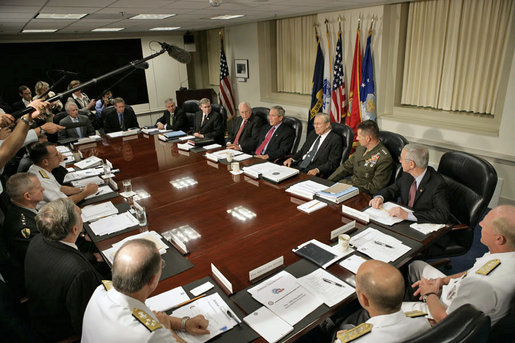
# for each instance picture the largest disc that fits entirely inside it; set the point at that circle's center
(77, 125)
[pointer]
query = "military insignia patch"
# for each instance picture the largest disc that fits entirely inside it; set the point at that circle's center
(43, 174)
(352, 334)
(25, 233)
(415, 314)
(108, 284)
(488, 267)
(150, 323)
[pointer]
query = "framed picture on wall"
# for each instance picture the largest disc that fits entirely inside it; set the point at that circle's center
(242, 68)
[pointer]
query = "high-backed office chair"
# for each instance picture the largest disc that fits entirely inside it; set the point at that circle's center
(471, 183)
(504, 330)
(297, 126)
(348, 137)
(394, 143)
(465, 324)
(190, 107)
(261, 112)
(223, 111)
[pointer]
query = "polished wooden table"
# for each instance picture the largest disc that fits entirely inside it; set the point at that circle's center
(234, 246)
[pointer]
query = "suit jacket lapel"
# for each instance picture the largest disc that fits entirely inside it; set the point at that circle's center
(321, 147)
(423, 183)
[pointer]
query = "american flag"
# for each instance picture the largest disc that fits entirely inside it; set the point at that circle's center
(338, 98)
(226, 97)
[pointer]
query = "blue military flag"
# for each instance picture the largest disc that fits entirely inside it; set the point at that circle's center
(366, 92)
(318, 86)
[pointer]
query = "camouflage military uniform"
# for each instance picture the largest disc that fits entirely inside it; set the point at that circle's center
(370, 172)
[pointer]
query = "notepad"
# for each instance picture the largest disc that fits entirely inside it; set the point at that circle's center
(268, 325)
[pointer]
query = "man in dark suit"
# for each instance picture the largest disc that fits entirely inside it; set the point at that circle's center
(208, 123)
(322, 152)
(276, 139)
(74, 118)
(26, 98)
(173, 118)
(244, 134)
(60, 284)
(121, 118)
(420, 188)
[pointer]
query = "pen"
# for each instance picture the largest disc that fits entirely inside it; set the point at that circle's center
(383, 244)
(188, 301)
(318, 202)
(333, 283)
(230, 314)
(382, 208)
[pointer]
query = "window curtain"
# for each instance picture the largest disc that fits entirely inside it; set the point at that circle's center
(296, 52)
(454, 54)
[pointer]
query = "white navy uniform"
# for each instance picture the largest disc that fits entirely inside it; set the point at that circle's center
(52, 187)
(108, 318)
(491, 293)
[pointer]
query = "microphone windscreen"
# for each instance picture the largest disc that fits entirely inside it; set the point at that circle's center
(178, 54)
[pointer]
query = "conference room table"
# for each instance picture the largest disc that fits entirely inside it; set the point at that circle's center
(233, 245)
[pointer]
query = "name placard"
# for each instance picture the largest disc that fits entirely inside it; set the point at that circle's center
(356, 214)
(265, 268)
(220, 277)
(342, 229)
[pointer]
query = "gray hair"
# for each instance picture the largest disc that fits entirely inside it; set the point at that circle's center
(324, 116)
(169, 100)
(118, 100)
(280, 110)
(68, 105)
(418, 154)
(131, 276)
(19, 184)
(245, 103)
(204, 101)
(56, 219)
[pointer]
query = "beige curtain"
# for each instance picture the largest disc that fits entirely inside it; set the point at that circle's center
(454, 53)
(296, 53)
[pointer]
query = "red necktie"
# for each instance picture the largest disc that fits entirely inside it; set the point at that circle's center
(239, 132)
(412, 193)
(265, 142)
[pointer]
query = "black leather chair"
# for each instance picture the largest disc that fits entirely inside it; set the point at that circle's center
(191, 107)
(394, 143)
(465, 324)
(471, 183)
(504, 330)
(297, 126)
(261, 112)
(348, 137)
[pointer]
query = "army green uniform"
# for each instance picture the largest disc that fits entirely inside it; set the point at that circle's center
(370, 171)
(19, 227)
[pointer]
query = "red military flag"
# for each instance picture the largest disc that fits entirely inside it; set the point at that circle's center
(354, 115)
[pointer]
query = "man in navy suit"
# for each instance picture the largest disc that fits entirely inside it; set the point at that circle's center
(276, 139)
(244, 134)
(173, 118)
(209, 123)
(322, 152)
(121, 118)
(420, 188)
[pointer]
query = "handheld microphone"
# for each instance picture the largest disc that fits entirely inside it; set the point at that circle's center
(176, 53)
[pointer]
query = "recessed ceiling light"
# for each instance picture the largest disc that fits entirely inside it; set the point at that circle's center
(228, 16)
(108, 29)
(38, 30)
(152, 16)
(170, 28)
(69, 16)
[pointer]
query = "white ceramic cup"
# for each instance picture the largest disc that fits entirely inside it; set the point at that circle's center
(343, 241)
(235, 166)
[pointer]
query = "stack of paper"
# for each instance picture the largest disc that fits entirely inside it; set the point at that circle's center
(148, 235)
(105, 189)
(326, 286)
(338, 192)
(285, 297)
(185, 138)
(150, 130)
(382, 216)
(223, 153)
(352, 263)
(319, 253)
(241, 157)
(256, 170)
(89, 139)
(268, 325)
(89, 162)
(185, 146)
(311, 206)
(113, 224)
(82, 174)
(378, 245)
(306, 189)
(212, 146)
(85, 182)
(426, 228)
(165, 301)
(93, 212)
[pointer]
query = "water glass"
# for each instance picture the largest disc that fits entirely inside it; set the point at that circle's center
(127, 186)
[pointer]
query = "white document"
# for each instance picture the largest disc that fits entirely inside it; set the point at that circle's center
(257, 169)
(352, 263)
(330, 293)
(185, 138)
(333, 250)
(279, 173)
(306, 189)
(185, 146)
(206, 286)
(82, 174)
(426, 228)
(93, 212)
(378, 245)
(105, 189)
(212, 146)
(148, 235)
(241, 157)
(63, 149)
(115, 134)
(88, 162)
(113, 224)
(268, 325)
(284, 296)
(223, 153)
(214, 309)
(312, 206)
(165, 301)
(84, 182)
(382, 216)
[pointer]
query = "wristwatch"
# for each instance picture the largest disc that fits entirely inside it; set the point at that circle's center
(424, 298)
(26, 121)
(41, 131)
(183, 323)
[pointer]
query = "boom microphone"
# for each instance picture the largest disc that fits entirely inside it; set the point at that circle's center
(65, 72)
(176, 53)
